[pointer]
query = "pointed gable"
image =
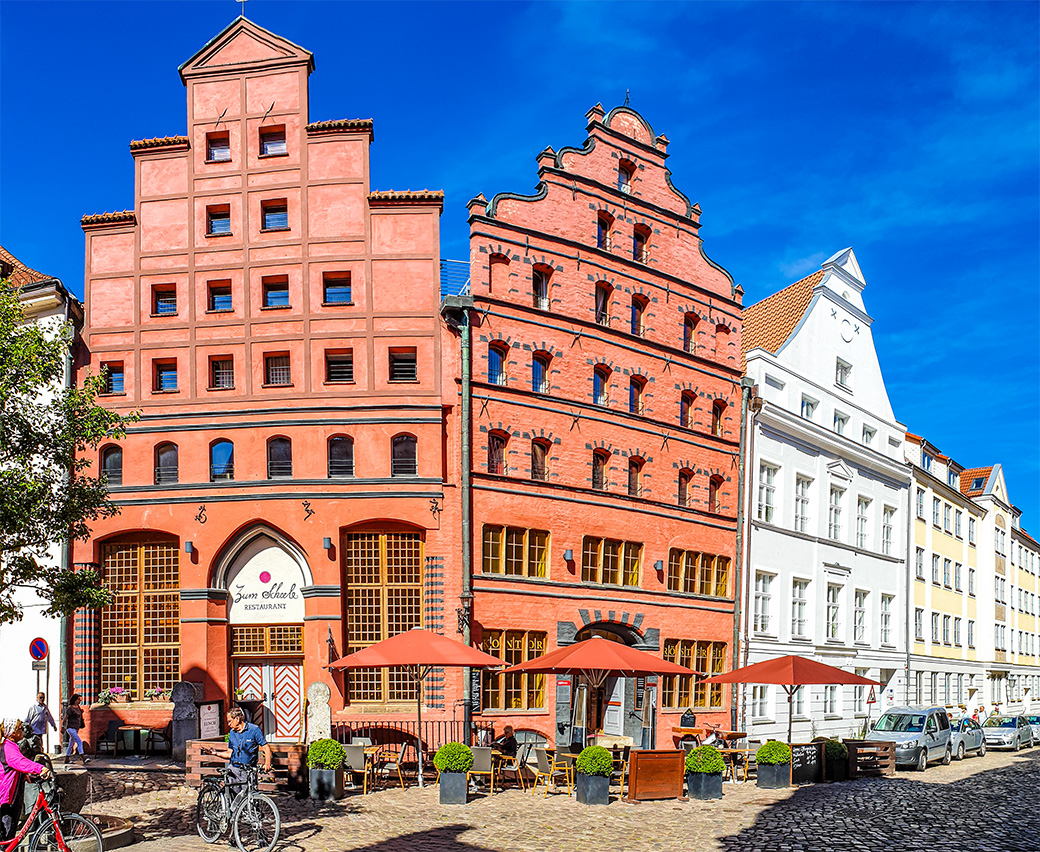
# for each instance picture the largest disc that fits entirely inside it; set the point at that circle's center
(242, 45)
(768, 324)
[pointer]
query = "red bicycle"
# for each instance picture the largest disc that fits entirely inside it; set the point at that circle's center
(53, 831)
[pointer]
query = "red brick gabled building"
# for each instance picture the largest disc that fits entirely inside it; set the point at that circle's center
(605, 404)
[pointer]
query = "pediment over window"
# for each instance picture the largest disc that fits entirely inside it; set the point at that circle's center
(839, 470)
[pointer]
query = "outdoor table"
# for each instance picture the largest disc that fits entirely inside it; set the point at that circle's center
(136, 730)
(733, 754)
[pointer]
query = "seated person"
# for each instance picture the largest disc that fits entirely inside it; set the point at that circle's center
(506, 743)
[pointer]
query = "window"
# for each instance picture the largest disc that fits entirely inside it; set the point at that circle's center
(759, 702)
(840, 422)
(403, 367)
(763, 602)
(165, 376)
(275, 215)
(218, 148)
(936, 504)
(635, 477)
(496, 364)
(277, 370)
(636, 316)
(341, 456)
(165, 464)
(859, 616)
(843, 374)
(707, 658)
(801, 503)
(279, 458)
(830, 700)
(935, 628)
(919, 625)
(926, 462)
(722, 339)
(809, 407)
(112, 465)
(335, 288)
(625, 172)
(635, 395)
(798, 703)
(685, 478)
(540, 373)
(935, 568)
(272, 142)
(766, 491)
(602, 304)
(953, 479)
(919, 564)
(862, 522)
(957, 631)
(339, 367)
(515, 552)
(275, 291)
(600, 385)
(834, 513)
(604, 222)
(403, 460)
(971, 531)
(114, 378)
(947, 573)
(868, 435)
(886, 619)
(714, 487)
(599, 470)
(610, 562)
(219, 299)
(513, 691)
(539, 461)
(920, 502)
(887, 528)
(496, 461)
(383, 580)
(164, 300)
(540, 289)
(689, 340)
(640, 241)
(140, 628)
(697, 573)
(218, 220)
(833, 612)
(221, 460)
(718, 411)
(686, 409)
(799, 601)
(947, 517)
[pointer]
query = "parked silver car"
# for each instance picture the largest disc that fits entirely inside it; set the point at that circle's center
(1034, 723)
(921, 734)
(966, 735)
(1007, 732)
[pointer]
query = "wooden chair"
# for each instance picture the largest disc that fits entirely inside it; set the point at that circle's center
(515, 763)
(356, 761)
(393, 763)
(548, 768)
(621, 767)
(483, 764)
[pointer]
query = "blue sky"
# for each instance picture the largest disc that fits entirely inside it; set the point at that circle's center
(906, 130)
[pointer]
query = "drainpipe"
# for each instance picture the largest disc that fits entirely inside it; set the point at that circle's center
(909, 580)
(746, 385)
(63, 628)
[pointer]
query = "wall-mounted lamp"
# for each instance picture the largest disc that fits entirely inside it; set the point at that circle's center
(189, 547)
(568, 555)
(326, 543)
(659, 565)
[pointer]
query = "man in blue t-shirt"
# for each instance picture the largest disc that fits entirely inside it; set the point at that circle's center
(246, 743)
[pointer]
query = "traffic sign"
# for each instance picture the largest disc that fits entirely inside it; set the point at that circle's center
(39, 665)
(38, 649)
(872, 698)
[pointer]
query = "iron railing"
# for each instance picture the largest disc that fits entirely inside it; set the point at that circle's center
(435, 733)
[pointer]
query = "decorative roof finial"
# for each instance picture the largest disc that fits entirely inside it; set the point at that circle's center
(241, 7)
(628, 93)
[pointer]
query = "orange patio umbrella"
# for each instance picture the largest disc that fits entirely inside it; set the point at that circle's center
(418, 652)
(791, 672)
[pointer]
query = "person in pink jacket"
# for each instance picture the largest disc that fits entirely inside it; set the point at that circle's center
(13, 765)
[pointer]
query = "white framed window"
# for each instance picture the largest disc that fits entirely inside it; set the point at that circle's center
(886, 619)
(862, 522)
(833, 611)
(947, 573)
(843, 374)
(799, 601)
(759, 702)
(958, 516)
(947, 517)
(936, 511)
(869, 433)
(926, 462)
(971, 633)
(801, 503)
(830, 700)
(919, 564)
(763, 602)
(860, 695)
(957, 571)
(919, 625)
(935, 568)
(887, 528)
(809, 407)
(798, 703)
(947, 622)
(766, 492)
(840, 422)
(971, 531)
(859, 616)
(957, 633)
(935, 628)
(920, 502)
(834, 513)
(971, 581)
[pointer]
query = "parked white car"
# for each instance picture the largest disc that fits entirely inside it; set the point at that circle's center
(921, 734)
(966, 735)
(1011, 732)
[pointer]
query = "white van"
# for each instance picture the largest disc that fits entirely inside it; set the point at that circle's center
(921, 734)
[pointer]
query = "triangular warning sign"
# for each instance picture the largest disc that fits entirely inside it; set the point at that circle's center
(872, 698)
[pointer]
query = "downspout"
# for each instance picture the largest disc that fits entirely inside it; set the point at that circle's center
(746, 384)
(467, 517)
(909, 579)
(63, 628)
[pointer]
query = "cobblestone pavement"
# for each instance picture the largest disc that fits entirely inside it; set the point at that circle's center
(976, 805)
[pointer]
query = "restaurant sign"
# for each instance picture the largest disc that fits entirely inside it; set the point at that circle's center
(265, 586)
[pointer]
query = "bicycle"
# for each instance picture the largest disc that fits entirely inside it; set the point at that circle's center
(57, 832)
(253, 817)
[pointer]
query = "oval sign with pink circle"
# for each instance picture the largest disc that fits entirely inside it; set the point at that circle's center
(264, 583)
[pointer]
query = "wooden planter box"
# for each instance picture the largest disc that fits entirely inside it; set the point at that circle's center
(656, 774)
(289, 763)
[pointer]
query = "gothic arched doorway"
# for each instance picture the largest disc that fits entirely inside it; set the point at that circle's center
(611, 702)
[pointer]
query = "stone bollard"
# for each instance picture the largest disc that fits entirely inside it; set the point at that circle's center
(185, 719)
(319, 714)
(74, 787)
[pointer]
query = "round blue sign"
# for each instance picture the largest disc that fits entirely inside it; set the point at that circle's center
(38, 649)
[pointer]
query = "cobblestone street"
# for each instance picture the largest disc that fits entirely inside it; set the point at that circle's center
(985, 804)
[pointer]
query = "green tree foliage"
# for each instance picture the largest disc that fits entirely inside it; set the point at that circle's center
(47, 494)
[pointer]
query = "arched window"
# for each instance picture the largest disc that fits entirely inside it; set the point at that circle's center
(721, 341)
(600, 385)
(685, 483)
(279, 458)
(540, 372)
(341, 456)
(540, 287)
(603, 304)
(714, 494)
(499, 273)
(640, 243)
(686, 410)
(497, 353)
(540, 460)
(689, 337)
(496, 454)
(604, 222)
(638, 309)
(403, 460)
(112, 465)
(221, 460)
(718, 410)
(635, 395)
(635, 476)
(599, 469)
(165, 464)
(625, 172)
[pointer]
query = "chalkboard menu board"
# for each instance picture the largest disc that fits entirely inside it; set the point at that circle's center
(806, 763)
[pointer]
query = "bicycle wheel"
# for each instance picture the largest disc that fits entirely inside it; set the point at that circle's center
(256, 824)
(79, 834)
(211, 813)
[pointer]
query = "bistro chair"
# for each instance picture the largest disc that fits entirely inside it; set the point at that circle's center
(393, 763)
(355, 761)
(159, 738)
(546, 767)
(515, 763)
(621, 766)
(110, 739)
(361, 741)
(483, 764)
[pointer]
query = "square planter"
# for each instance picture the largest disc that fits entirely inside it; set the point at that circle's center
(703, 785)
(774, 775)
(326, 785)
(592, 789)
(453, 786)
(837, 770)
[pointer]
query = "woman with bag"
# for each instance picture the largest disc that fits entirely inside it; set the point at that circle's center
(13, 765)
(73, 724)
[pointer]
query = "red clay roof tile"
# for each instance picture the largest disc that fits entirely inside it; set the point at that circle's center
(109, 218)
(973, 473)
(768, 324)
(158, 142)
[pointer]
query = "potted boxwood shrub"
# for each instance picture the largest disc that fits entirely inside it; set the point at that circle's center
(325, 770)
(594, 767)
(704, 768)
(453, 761)
(774, 764)
(836, 758)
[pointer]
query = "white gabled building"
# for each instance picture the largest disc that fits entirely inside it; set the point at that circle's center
(826, 526)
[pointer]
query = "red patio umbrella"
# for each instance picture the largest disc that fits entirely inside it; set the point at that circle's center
(790, 672)
(598, 658)
(418, 651)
